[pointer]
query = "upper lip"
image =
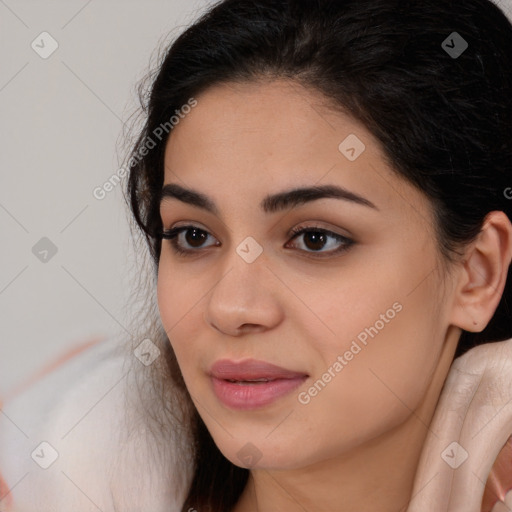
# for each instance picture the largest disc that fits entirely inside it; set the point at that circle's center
(251, 369)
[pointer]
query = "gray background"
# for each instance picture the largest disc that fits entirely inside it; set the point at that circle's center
(60, 123)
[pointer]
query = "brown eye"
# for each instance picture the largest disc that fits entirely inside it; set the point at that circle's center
(186, 239)
(195, 237)
(315, 239)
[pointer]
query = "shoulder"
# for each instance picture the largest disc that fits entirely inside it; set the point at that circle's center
(64, 442)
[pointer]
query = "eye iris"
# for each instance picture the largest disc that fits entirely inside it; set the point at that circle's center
(198, 237)
(316, 237)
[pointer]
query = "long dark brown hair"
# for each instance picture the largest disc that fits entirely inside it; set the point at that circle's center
(444, 121)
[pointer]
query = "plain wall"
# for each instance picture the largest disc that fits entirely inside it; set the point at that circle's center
(61, 121)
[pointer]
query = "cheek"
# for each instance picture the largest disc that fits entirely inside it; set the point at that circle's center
(179, 306)
(178, 293)
(166, 298)
(390, 341)
(377, 390)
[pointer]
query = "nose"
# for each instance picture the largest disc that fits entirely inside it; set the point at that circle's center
(245, 298)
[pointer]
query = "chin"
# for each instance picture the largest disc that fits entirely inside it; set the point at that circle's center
(264, 454)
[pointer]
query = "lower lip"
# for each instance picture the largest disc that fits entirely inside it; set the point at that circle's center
(252, 396)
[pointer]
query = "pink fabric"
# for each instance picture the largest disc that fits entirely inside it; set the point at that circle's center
(5, 496)
(500, 478)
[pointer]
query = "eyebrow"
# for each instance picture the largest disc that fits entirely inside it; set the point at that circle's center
(271, 203)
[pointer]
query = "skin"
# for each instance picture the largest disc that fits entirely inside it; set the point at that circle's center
(356, 444)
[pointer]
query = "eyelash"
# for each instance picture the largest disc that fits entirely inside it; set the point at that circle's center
(172, 234)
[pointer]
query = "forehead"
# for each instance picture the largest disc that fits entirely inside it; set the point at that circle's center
(249, 139)
(254, 128)
(263, 113)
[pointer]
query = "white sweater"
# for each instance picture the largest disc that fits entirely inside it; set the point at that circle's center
(77, 411)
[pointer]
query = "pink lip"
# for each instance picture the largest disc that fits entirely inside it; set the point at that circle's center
(239, 395)
(250, 369)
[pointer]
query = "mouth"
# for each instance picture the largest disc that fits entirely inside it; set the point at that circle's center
(251, 370)
(252, 384)
(252, 381)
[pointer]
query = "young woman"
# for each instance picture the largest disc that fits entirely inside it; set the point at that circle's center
(325, 189)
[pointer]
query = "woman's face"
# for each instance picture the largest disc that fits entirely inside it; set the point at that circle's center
(360, 320)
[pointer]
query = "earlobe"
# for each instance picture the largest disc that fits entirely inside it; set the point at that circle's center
(483, 274)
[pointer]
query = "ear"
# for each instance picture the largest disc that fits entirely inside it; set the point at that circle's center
(483, 274)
